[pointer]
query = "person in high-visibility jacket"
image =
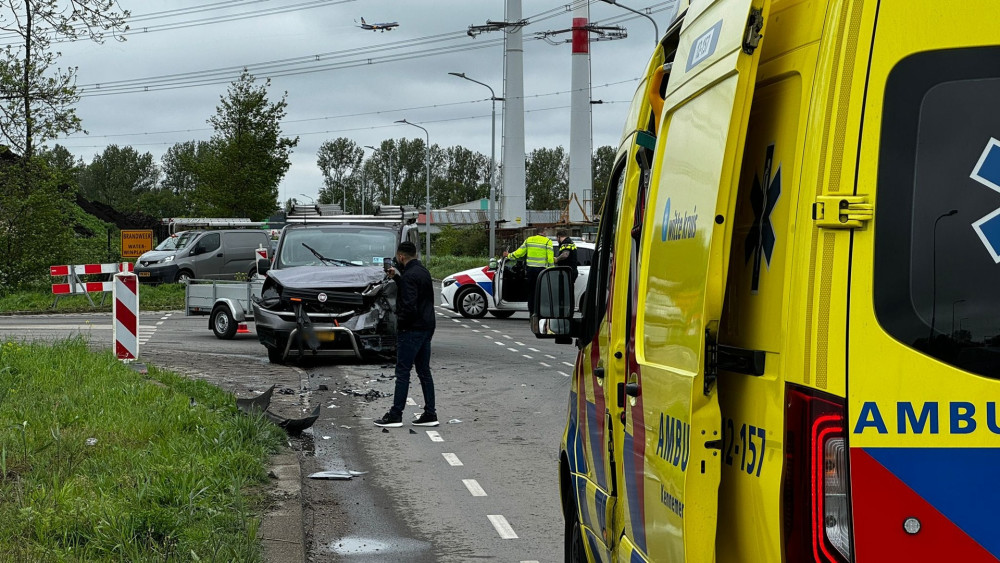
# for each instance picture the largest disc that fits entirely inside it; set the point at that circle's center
(538, 254)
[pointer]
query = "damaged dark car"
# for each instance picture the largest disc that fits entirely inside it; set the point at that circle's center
(327, 294)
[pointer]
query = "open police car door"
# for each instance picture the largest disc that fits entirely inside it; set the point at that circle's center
(671, 468)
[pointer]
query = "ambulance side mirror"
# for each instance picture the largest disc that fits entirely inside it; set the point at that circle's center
(554, 300)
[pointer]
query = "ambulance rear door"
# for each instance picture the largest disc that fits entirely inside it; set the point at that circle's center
(924, 332)
(671, 466)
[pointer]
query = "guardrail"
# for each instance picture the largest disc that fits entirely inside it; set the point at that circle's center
(74, 286)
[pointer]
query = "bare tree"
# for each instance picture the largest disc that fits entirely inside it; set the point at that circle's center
(36, 97)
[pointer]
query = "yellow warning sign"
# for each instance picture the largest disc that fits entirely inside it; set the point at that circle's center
(135, 243)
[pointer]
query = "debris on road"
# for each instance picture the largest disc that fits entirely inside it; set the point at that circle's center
(454, 421)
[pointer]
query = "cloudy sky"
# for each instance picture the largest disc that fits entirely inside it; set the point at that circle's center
(160, 86)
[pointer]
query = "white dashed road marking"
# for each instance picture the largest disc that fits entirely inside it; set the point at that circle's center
(564, 374)
(545, 364)
(474, 488)
(434, 436)
(502, 527)
(550, 357)
(500, 343)
(452, 460)
(534, 350)
(507, 336)
(567, 364)
(512, 349)
(527, 356)
(519, 343)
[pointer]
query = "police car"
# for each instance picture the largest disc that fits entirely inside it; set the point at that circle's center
(502, 290)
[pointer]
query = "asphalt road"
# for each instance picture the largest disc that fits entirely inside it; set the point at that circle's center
(483, 485)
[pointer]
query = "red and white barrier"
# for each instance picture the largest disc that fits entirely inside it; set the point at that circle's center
(73, 285)
(83, 269)
(126, 315)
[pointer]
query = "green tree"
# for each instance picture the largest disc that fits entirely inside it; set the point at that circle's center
(38, 97)
(62, 163)
(36, 230)
(338, 160)
(465, 177)
(182, 164)
(119, 177)
(602, 166)
(249, 156)
(547, 179)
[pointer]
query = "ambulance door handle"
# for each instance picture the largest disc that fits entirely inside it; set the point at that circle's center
(599, 373)
(632, 389)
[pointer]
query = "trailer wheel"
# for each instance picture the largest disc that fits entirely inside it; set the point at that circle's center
(223, 324)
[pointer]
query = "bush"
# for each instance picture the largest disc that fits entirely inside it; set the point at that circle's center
(461, 241)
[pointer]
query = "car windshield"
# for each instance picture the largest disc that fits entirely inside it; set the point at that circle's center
(339, 245)
(175, 241)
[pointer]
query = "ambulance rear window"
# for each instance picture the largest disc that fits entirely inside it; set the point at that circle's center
(937, 221)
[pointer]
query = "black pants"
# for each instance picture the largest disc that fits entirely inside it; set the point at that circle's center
(533, 274)
(413, 347)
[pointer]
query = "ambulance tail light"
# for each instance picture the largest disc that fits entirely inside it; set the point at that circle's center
(816, 487)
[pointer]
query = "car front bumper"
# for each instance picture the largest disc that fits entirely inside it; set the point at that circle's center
(282, 332)
(156, 273)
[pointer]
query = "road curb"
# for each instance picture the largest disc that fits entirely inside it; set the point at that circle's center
(281, 530)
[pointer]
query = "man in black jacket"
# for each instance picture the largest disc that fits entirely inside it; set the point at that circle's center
(415, 323)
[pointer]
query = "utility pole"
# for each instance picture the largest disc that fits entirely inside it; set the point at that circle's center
(581, 132)
(427, 158)
(493, 150)
(514, 203)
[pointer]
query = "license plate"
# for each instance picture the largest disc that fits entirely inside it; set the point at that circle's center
(326, 336)
(143, 274)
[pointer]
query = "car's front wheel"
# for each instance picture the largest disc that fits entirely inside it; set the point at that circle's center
(471, 303)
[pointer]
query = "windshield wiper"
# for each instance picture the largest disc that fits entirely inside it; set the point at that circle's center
(324, 259)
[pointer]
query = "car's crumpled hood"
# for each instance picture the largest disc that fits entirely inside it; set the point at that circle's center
(328, 277)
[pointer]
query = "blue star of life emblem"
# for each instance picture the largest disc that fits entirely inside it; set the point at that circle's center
(759, 244)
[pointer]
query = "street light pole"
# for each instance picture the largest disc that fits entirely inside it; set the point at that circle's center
(934, 271)
(656, 28)
(389, 156)
(427, 158)
(493, 149)
(953, 304)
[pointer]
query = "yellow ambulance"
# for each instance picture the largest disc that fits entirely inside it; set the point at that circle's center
(790, 344)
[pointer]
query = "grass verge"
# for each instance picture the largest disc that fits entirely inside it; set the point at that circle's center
(163, 297)
(100, 463)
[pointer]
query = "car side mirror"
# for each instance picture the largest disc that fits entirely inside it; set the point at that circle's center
(263, 265)
(195, 250)
(554, 301)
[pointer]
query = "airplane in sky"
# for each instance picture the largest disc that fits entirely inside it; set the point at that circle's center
(383, 27)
